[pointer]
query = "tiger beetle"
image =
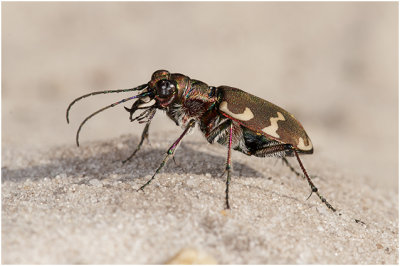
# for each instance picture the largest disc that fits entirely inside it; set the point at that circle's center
(224, 114)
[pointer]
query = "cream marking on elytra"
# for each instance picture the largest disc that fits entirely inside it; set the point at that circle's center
(271, 130)
(245, 116)
(301, 145)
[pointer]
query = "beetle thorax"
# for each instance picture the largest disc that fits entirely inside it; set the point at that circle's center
(176, 113)
(192, 105)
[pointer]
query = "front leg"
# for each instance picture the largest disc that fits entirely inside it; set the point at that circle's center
(145, 135)
(170, 152)
(149, 114)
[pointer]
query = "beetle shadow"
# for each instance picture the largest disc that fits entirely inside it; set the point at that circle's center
(73, 163)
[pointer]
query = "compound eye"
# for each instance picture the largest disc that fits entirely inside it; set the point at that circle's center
(165, 88)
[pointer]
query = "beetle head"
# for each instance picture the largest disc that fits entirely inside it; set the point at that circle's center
(164, 88)
(162, 92)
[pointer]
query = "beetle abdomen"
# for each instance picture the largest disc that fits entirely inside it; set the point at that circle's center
(263, 118)
(256, 144)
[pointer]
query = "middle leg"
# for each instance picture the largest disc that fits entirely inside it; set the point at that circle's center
(149, 114)
(216, 134)
(228, 167)
(145, 135)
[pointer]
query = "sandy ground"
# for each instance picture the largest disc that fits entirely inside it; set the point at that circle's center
(333, 65)
(71, 205)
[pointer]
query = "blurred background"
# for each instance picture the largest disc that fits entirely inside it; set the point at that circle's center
(333, 65)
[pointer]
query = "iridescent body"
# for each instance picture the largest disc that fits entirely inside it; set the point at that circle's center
(225, 115)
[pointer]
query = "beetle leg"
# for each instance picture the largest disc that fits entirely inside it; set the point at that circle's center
(212, 135)
(177, 164)
(271, 150)
(286, 162)
(170, 152)
(286, 147)
(314, 189)
(228, 166)
(145, 135)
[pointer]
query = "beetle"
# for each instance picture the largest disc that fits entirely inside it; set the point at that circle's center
(226, 115)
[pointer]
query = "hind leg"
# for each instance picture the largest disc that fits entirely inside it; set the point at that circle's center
(286, 162)
(278, 150)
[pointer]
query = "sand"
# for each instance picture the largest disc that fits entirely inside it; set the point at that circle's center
(80, 206)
